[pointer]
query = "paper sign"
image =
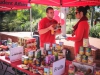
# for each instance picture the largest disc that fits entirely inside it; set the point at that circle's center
(16, 53)
(59, 67)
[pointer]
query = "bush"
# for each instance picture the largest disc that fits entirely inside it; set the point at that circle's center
(95, 31)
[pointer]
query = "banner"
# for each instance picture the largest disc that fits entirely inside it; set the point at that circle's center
(16, 53)
(15, 3)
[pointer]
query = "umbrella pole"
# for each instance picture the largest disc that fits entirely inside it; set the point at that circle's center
(60, 23)
(31, 21)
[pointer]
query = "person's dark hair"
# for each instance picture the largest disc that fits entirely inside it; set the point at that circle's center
(49, 8)
(83, 9)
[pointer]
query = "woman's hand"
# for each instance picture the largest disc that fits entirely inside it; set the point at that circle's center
(67, 38)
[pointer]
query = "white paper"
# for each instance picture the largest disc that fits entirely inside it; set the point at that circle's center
(59, 67)
(16, 53)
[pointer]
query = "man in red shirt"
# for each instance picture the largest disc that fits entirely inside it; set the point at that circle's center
(46, 26)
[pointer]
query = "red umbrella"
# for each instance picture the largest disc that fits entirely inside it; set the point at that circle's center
(67, 2)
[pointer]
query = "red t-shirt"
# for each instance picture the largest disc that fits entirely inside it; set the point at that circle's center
(46, 37)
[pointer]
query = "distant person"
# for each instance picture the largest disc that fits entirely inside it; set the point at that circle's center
(81, 29)
(46, 26)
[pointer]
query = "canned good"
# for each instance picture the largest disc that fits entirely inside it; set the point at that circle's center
(85, 42)
(81, 52)
(58, 47)
(47, 60)
(71, 69)
(88, 51)
(30, 54)
(37, 62)
(38, 53)
(34, 61)
(60, 53)
(60, 57)
(78, 58)
(46, 71)
(53, 46)
(23, 59)
(90, 60)
(84, 59)
(51, 71)
(61, 45)
(49, 52)
(30, 60)
(47, 46)
(26, 60)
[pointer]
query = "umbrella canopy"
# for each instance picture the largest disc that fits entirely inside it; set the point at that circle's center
(67, 2)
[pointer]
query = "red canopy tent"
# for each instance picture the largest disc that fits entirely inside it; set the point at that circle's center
(15, 3)
(9, 9)
(7, 5)
(67, 3)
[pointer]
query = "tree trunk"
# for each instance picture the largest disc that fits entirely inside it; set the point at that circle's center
(92, 15)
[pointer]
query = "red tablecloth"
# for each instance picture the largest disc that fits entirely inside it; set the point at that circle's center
(17, 63)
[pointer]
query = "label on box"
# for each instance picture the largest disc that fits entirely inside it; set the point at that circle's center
(59, 67)
(16, 53)
(84, 67)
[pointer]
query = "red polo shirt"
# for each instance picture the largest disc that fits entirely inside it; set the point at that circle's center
(46, 37)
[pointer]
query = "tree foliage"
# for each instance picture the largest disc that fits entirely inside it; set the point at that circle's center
(19, 20)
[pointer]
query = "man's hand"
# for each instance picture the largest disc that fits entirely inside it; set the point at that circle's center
(51, 27)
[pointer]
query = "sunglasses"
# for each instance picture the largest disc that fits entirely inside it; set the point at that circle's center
(76, 12)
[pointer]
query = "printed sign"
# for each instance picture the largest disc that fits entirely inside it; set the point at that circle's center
(16, 53)
(14, 3)
(59, 67)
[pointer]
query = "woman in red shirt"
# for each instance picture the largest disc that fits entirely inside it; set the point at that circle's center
(81, 29)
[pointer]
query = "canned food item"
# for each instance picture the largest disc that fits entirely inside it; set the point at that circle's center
(60, 57)
(34, 61)
(47, 46)
(71, 69)
(88, 51)
(53, 46)
(58, 47)
(78, 58)
(49, 52)
(26, 60)
(30, 60)
(38, 53)
(23, 59)
(61, 45)
(30, 54)
(85, 42)
(37, 62)
(47, 60)
(84, 59)
(51, 71)
(90, 60)
(46, 71)
(81, 52)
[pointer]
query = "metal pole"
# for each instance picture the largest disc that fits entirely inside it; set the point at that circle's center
(31, 21)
